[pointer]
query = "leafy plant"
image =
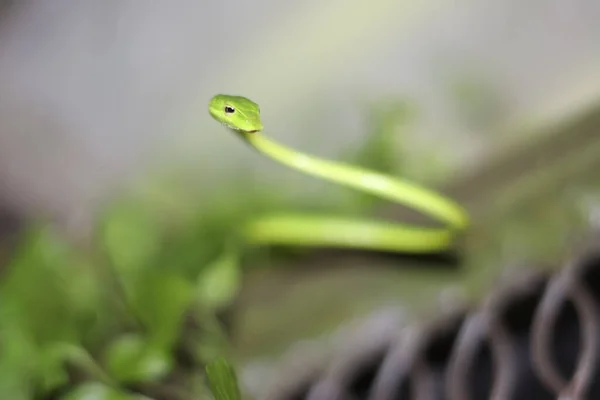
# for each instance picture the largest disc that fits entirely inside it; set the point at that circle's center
(223, 380)
(114, 314)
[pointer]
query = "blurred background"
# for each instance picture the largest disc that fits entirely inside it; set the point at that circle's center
(118, 191)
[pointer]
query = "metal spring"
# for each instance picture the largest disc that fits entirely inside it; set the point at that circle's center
(536, 336)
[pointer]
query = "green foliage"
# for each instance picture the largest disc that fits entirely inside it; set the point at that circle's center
(115, 313)
(388, 119)
(132, 358)
(98, 391)
(223, 380)
(160, 299)
(218, 283)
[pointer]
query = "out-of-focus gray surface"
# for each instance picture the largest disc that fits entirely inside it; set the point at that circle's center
(89, 90)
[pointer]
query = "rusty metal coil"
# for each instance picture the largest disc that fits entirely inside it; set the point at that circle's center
(536, 336)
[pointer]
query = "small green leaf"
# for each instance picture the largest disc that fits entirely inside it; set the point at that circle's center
(223, 380)
(219, 282)
(57, 354)
(131, 237)
(34, 290)
(19, 360)
(132, 359)
(382, 146)
(52, 370)
(213, 340)
(160, 299)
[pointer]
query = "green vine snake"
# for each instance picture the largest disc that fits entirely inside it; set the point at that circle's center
(242, 116)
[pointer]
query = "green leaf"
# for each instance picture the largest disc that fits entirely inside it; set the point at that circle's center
(160, 299)
(223, 380)
(132, 359)
(381, 148)
(98, 391)
(219, 282)
(57, 354)
(131, 236)
(35, 288)
(213, 340)
(19, 360)
(52, 370)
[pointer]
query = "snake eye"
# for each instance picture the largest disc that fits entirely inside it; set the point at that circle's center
(229, 110)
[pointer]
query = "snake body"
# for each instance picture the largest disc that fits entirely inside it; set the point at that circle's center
(242, 116)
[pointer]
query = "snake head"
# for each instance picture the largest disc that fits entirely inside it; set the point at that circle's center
(236, 112)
